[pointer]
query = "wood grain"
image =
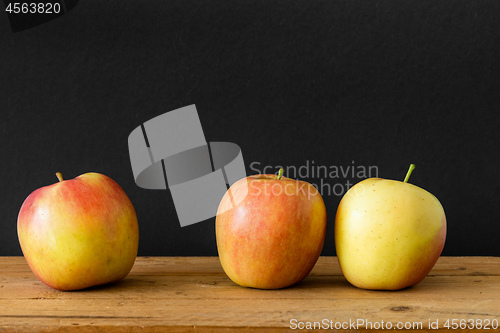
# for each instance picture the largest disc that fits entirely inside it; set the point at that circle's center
(192, 294)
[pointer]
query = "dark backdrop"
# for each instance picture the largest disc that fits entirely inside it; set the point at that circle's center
(366, 83)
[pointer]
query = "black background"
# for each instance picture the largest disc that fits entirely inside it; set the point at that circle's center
(380, 83)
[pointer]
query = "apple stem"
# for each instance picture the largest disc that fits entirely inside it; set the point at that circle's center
(408, 174)
(59, 176)
(280, 173)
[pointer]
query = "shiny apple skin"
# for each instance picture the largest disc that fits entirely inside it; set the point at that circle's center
(79, 233)
(388, 234)
(274, 236)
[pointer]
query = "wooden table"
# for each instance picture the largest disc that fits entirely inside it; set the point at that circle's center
(192, 294)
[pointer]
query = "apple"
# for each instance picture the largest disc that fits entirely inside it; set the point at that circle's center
(273, 237)
(388, 233)
(79, 233)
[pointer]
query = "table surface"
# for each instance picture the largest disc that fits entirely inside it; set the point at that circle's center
(192, 294)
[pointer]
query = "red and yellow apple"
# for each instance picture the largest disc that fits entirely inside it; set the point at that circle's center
(388, 233)
(79, 233)
(273, 237)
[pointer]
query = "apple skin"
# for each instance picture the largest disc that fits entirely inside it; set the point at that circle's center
(388, 234)
(79, 233)
(274, 236)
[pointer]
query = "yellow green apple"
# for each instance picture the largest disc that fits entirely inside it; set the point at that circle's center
(388, 233)
(274, 236)
(79, 233)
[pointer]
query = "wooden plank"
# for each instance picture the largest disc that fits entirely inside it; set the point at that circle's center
(193, 294)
